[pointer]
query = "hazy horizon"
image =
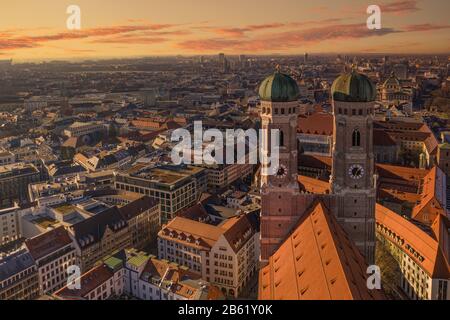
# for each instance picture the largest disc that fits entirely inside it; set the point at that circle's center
(36, 31)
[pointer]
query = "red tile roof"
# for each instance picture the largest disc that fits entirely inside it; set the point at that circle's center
(433, 198)
(317, 262)
(48, 242)
(183, 282)
(90, 281)
(425, 249)
(311, 185)
(382, 138)
(317, 123)
(204, 236)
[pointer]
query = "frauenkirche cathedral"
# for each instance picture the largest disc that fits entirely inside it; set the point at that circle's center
(347, 208)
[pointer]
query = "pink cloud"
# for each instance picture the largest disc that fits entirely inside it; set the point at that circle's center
(401, 6)
(16, 41)
(398, 7)
(285, 40)
(425, 27)
(240, 31)
(237, 32)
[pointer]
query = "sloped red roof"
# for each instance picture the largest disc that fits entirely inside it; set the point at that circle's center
(432, 197)
(318, 123)
(425, 249)
(89, 281)
(48, 242)
(317, 262)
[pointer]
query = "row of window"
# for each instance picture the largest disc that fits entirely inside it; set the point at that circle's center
(281, 111)
(356, 112)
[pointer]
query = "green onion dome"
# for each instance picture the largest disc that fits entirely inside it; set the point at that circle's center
(353, 87)
(279, 87)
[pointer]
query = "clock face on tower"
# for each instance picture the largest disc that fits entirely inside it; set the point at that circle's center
(356, 171)
(281, 172)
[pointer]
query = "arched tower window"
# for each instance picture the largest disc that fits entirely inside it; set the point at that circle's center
(356, 138)
(281, 138)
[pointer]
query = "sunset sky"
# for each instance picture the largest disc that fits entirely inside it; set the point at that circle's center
(36, 30)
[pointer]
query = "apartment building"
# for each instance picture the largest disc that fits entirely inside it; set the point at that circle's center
(140, 276)
(53, 253)
(14, 180)
(18, 276)
(222, 175)
(120, 158)
(163, 280)
(6, 157)
(99, 236)
(225, 254)
(144, 220)
(9, 224)
(421, 253)
(79, 129)
(174, 187)
(99, 283)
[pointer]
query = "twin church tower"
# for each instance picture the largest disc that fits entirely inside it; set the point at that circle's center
(352, 194)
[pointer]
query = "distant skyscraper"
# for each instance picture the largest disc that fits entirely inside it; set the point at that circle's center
(225, 65)
(243, 60)
(305, 58)
(221, 58)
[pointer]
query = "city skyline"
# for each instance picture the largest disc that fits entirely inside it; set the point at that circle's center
(160, 28)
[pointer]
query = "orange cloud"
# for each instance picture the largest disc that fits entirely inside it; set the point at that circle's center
(239, 32)
(401, 6)
(425, 27)
(12, 41)
(132, 40)
(286, 40)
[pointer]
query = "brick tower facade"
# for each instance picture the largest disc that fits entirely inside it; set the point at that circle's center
(279, 189)
(352, 179)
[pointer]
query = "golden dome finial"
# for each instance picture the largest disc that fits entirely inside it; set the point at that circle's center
(278, 68)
